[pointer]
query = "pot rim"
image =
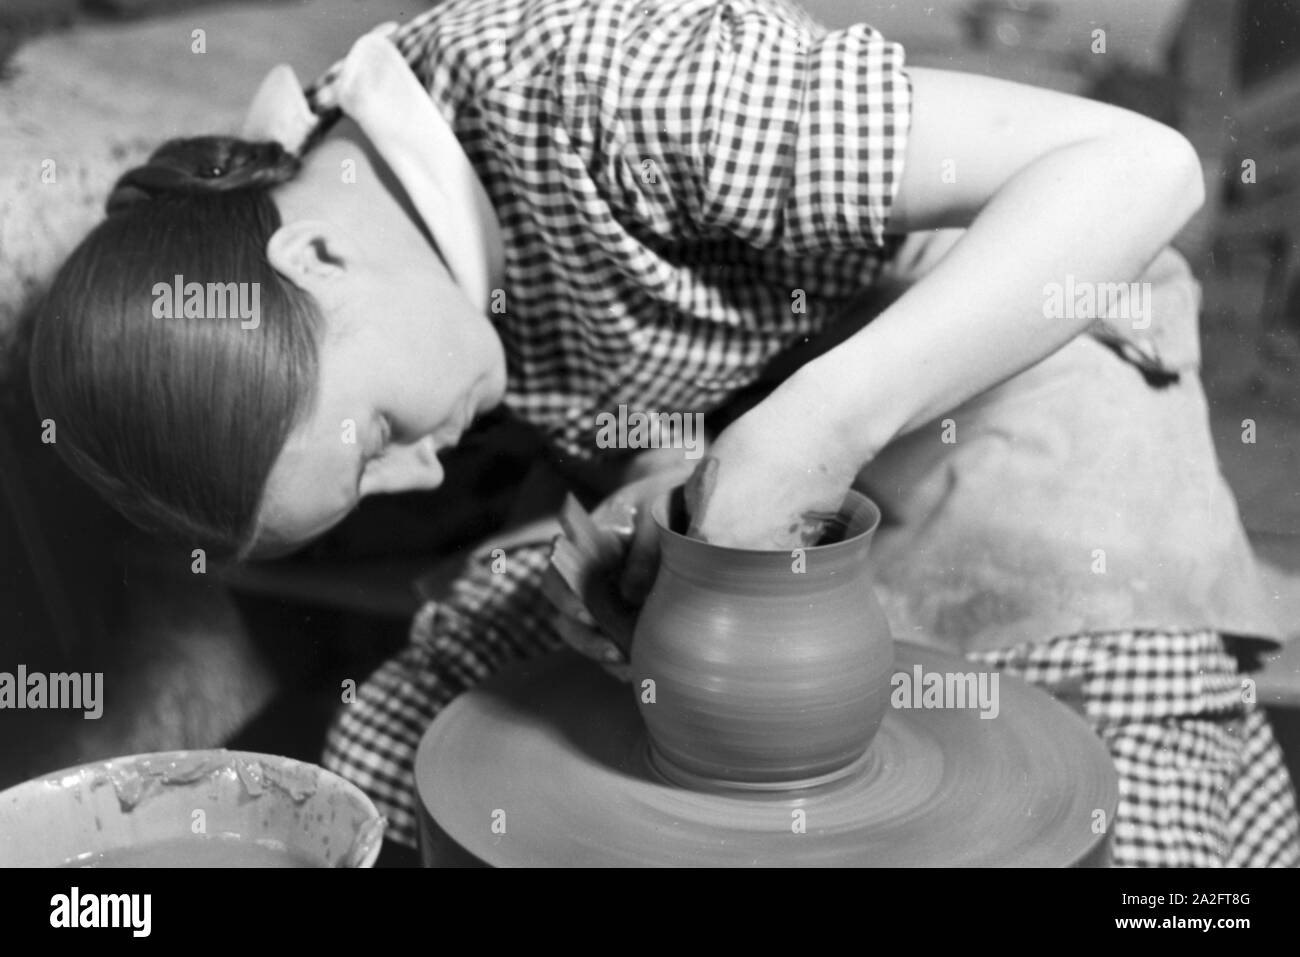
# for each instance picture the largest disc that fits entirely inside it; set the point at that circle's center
(853, 500)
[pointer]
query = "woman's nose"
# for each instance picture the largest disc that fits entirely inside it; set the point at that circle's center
(403, 468)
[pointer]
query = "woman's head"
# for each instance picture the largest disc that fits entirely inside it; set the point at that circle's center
(231, 433)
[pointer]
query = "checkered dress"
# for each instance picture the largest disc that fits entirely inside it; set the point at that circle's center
(685, 187)
(1201, 780)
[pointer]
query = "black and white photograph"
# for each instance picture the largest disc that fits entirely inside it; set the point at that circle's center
(677, 434)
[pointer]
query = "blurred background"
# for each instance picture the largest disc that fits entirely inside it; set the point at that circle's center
(254, 657)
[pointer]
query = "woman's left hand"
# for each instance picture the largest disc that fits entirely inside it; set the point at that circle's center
(775, 474)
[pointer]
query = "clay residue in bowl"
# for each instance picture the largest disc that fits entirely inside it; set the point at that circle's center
(134, 783)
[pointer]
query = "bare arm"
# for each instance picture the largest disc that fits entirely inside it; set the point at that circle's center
(1049, 186)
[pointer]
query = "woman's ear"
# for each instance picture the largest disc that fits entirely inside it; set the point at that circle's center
(309, 253)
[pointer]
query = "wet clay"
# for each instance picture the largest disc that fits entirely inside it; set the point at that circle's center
(555, 754)
(134, 782)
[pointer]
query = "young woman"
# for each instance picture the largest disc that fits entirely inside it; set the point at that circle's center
(570, 206)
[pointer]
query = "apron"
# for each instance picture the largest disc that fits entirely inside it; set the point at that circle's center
(1081, 496)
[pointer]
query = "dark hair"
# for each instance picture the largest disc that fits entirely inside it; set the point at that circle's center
(177, 422)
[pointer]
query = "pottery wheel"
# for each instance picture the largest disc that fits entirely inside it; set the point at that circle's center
(547, 765)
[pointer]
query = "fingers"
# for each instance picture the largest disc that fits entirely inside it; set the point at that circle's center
(590, 643)
(642, 559)
(578, 630)
(561, 596)
(698, 491)
(587, 641)
(620, 518)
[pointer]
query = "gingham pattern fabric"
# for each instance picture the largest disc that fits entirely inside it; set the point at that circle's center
(685, 187)
(1202, 781)
(488, 621)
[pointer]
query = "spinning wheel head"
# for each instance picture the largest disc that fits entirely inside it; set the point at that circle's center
(546, 765)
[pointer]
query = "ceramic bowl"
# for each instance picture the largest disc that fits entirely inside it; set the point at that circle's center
(211, 808)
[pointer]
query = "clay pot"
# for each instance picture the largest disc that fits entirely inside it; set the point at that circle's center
(771, 669)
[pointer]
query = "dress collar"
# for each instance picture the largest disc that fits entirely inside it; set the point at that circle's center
(418, 144)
